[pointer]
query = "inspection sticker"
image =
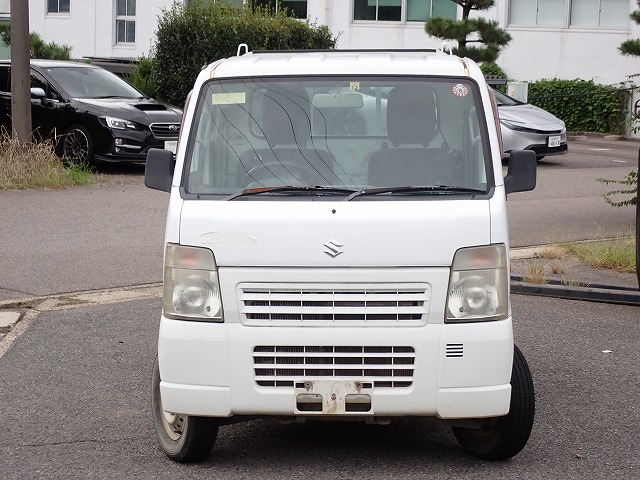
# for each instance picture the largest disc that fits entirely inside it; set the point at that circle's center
(460, 90)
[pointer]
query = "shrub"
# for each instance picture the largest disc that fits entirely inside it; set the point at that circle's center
(140, 76)
(193, 35)
(583, 105)
(493, 69)
(38, 48)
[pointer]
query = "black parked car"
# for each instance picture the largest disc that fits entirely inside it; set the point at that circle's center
(91, 113)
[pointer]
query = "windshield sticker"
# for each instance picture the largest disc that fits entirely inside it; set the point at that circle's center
(460, 90)
(354, 86)
(228, 98)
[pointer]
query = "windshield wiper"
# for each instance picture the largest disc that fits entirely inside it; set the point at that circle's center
(290, 188)
(413, 189)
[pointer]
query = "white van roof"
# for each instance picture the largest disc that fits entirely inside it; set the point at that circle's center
(344, 62)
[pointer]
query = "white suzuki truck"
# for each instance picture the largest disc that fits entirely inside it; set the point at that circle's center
(336, 247)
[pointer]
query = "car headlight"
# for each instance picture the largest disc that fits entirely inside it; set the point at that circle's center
(478, 285)
(514, 126)
(119, 123)
(191, 286)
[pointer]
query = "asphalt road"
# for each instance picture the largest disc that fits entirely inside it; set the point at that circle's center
(567, 202)
(74, 404)
(103, 236)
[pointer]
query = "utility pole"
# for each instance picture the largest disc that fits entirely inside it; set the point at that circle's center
(20, 77)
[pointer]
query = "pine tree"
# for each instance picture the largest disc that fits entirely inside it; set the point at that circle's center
(487, 32)
(632, 47)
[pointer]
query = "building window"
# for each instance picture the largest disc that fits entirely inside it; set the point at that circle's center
(403, 10)
(58, 6)
(296, 8)
(126, 21)
(570, 13)
(600, 13)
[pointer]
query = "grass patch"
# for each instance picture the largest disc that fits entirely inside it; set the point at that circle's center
(617, 254)
(534, 273)
(24, 165)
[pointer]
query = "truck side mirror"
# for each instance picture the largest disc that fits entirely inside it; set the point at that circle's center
(521, 173)
(158, 170)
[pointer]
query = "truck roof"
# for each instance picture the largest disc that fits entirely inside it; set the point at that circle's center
(344, 62)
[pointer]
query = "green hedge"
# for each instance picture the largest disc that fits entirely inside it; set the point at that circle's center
(191, 36)
(583, 105)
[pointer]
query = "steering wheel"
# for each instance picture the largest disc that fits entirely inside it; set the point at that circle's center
(285, 172)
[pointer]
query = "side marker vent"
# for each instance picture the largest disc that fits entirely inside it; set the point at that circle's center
(455, 350)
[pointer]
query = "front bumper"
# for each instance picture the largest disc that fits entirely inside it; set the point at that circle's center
(458, 371)
(129, 147)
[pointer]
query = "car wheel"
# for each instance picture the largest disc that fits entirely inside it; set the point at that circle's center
(77, 146)
(500, 438)
(183, 438)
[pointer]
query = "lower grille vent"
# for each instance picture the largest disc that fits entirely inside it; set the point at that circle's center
(286, 366)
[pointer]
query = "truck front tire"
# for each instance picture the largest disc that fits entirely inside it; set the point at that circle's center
(501, 438)
(183, 438)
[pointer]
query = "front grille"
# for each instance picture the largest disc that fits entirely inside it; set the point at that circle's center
(349, 305)
(290, 366)
(165, 131)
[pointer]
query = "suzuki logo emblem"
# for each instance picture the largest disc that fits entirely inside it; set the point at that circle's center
(333, 248)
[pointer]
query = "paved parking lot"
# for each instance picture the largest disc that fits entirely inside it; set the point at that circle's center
(74, 403)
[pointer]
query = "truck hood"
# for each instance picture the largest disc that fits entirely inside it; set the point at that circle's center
(335, 234)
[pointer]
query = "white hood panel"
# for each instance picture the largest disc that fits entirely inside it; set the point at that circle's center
(306, 233)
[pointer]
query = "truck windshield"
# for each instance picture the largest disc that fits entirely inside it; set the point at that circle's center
(346, 134)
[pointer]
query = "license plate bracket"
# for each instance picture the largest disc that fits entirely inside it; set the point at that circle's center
(333, 398)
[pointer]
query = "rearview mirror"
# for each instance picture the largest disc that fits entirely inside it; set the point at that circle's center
(337, 100)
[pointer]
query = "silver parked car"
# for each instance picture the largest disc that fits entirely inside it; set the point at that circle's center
(527, 127)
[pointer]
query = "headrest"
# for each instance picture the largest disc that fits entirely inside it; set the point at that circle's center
(285, 117)
(411, 114)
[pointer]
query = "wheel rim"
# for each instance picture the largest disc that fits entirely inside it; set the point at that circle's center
(173, 424)
(76, 146)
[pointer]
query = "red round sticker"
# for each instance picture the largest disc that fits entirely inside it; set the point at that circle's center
(460, 90)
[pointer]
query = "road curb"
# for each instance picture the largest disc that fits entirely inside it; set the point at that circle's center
(591, 293)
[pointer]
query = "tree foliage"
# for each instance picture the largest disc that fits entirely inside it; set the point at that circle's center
(628, 47)
(38, 48)
(631, 184)
(193, 35)
(632, 46)
(467, 31)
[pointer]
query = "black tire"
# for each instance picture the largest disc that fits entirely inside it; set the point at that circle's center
(503, 437)
(76, 146)
(183, 438)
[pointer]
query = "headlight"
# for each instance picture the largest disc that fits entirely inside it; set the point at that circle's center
(514, 126)
(479, 285)
(119, 123)
(191, 287)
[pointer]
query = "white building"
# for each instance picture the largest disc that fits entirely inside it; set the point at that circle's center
(551, 38)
